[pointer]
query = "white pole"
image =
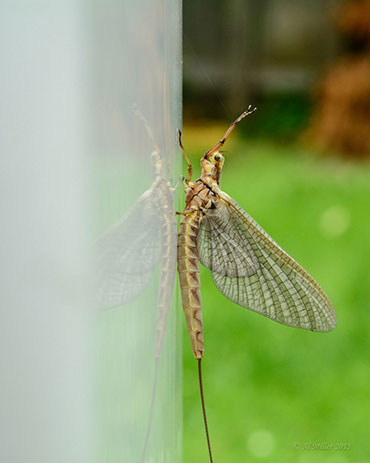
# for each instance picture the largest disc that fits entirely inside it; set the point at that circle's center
(75, 385)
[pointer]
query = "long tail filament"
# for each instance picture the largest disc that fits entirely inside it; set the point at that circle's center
(204, 409)
(152, 402)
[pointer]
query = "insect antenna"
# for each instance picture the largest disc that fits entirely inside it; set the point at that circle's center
(218, 145)
(204, 409)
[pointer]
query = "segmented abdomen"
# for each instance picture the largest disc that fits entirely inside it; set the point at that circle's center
(188, 267)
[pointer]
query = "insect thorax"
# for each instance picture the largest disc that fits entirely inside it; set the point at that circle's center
(201, 194)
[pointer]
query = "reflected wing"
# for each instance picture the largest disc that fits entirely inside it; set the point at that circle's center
(127, 253)
(251, 269)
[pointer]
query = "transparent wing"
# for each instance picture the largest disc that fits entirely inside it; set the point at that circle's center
(251, 269)
(127, 253)
(223, 247)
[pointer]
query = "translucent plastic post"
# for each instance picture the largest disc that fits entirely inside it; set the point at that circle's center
(89, 333)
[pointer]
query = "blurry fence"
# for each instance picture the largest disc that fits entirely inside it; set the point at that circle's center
(239, 50)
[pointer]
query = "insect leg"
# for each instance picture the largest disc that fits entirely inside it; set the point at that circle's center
(180, 180)
(249, 111)
(190, 169)
(190, 211)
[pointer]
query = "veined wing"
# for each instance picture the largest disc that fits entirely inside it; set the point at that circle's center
(127, 253)
(251, 269)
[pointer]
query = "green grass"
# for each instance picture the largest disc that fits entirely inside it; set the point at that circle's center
(271, 388)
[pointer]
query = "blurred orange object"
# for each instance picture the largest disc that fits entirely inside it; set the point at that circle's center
(341, 120)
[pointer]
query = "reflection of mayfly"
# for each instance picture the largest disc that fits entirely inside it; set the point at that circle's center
(247, 265)
(129, 250)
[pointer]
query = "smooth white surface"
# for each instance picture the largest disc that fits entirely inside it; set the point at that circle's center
(44, 387)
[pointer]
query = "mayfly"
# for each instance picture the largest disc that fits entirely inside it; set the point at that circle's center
(247, 265)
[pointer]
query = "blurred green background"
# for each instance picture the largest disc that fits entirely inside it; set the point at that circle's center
(274, 393)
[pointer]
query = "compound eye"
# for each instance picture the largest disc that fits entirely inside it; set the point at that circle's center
(218, 157)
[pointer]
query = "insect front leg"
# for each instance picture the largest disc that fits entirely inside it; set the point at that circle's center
(218, 145)
(190, 168)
